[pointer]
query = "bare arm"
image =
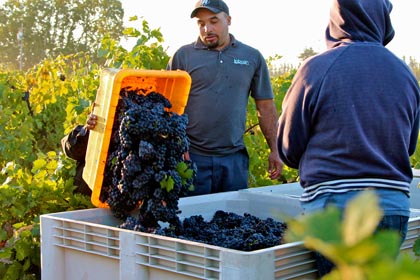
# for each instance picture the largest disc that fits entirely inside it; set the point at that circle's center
(268, 120)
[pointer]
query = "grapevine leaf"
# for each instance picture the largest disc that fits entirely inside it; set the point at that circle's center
(323, 225)
(356, 224)
(167, 183)
(6, 253)
(363, 252)
(41, 174)
(13, 271)
(133, 18)
(404, 269)
(388, 243)
(184, 171)
(382, 246)
(52, 165)
(38, 164)
(3, 234)
(23, 249)
(52, 154)
(27, 264)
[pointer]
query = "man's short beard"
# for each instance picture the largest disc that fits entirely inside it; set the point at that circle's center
(213, 45)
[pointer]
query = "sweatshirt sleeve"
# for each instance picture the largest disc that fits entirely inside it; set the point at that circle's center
(414, 136)
(295, 121)
(75, 143)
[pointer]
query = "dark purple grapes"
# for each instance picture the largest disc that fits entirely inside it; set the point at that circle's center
(145, 171)
(146, 150)
(229, 230)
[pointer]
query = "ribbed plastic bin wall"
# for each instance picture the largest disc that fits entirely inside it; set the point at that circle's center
(174, 85)
(85, 244)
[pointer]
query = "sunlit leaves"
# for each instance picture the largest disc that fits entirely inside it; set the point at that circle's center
(357, 224)
(321, 225)
(147, 52)
(351, 241)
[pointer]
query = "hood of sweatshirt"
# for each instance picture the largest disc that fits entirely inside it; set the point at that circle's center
(359, 21)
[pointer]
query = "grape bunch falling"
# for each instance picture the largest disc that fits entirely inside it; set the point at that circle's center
(145, 169)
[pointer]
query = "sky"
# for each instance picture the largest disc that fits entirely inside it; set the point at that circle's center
(283, 27)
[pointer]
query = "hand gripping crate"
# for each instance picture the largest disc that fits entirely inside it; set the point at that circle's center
(86, 244)
(174, 85)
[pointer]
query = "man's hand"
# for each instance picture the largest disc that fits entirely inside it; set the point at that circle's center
(91, 122)
(275, 166)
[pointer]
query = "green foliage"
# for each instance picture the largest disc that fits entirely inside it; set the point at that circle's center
(167, 183)
(415, 158)
(24, 196)
(416, 247)
(36, 104)
(15, 123)
(307, 53)
(184, 171)
(255, 141)
(38, 108)
(350, 240)
(147, 53)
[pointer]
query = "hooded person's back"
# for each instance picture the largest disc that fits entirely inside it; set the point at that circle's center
(357, 118)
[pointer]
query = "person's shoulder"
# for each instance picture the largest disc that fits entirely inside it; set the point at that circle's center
(316, 65)
(247, 50)
(239, 44)
(184, 51)
(320, 60)
(186, 47)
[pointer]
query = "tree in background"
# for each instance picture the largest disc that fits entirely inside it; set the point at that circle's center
(47, 29)
(307, 53)
(414, 65)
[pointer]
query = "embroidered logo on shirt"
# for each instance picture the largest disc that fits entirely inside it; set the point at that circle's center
(240, 62)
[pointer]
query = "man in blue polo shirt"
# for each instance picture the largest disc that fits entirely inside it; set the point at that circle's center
(224, 72)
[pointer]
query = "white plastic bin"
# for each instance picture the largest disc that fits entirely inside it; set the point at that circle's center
(85, 244)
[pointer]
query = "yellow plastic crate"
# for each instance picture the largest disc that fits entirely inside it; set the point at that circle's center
(174, 85)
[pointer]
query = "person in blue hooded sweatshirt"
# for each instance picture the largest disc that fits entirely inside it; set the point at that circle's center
(350, 118)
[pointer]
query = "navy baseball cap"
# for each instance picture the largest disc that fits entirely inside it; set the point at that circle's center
(215, 6)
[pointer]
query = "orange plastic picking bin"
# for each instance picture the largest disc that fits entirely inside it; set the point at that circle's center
(174, 85)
